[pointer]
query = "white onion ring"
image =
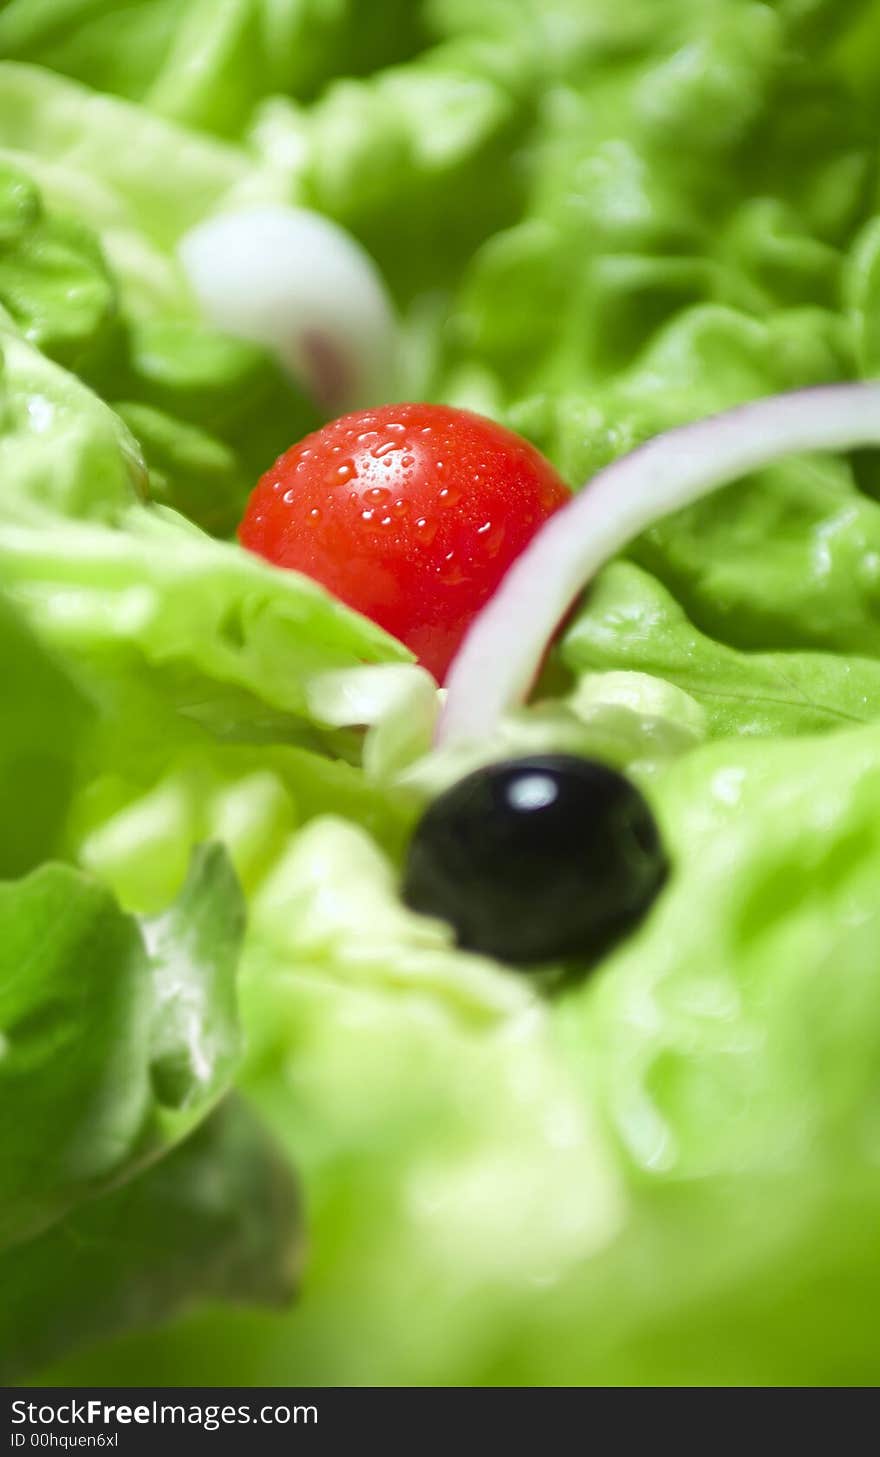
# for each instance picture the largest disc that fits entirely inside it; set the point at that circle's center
(496, 665)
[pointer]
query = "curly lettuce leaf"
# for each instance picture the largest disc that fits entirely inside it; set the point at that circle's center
(199, 612)
(631, 622)
(685, 246)
(53, 279)
(209, 412)
(62, 450)
(201, 663)
(202, 64)
(164, 179)
(431, 143)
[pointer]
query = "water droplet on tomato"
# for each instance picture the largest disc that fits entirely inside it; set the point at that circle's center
(451, 572)
(495, 541)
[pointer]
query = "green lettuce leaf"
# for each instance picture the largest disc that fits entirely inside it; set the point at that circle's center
(631, 622)
(217, 1219)
(163, 180)
(53, 279)
(202, 65)
(158, 601)
(210, 412)
(62, 450)
(201, 663)
(116, 1038)
(45, 721)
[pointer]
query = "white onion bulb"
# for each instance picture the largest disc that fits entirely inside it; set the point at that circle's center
(296, 282)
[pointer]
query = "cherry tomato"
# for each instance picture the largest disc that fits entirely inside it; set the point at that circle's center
(410, 513)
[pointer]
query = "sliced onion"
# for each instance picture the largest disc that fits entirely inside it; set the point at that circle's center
(502, 652)
(296, 282)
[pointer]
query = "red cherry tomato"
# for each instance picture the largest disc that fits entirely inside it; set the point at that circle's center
(409, 513)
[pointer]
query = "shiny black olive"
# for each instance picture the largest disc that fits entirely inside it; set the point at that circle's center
(539, 859)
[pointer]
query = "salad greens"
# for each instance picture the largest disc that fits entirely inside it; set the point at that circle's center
(595, 223)
(216, 1218)
(137, 1024)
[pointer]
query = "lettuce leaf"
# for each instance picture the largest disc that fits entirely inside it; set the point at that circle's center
(45, 721)
(631, 622)
(200, 662)
(116, 1038)
(118, 1035)
(217, 1219)
(161, 588)
(163, 180)
(202, 65)
(62, 449)
(210, 412)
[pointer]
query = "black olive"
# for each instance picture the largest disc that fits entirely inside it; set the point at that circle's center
(539, 859)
